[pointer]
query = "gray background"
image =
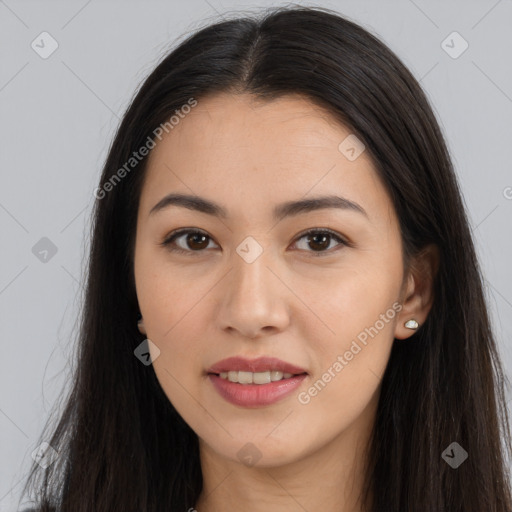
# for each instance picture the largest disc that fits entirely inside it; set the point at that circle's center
(58, 116)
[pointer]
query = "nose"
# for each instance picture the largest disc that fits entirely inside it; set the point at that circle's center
(254, 298)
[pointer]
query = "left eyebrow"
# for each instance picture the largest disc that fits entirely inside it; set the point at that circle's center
(287, 209)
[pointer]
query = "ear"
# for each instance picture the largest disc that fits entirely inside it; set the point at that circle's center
(418, 290)
(140, 326)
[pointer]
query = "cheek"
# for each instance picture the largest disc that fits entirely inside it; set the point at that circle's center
(348, 368)
(352, 347)
(172, 318)
(169, 307)
(165, 298)
(352, 300)
(174, 311)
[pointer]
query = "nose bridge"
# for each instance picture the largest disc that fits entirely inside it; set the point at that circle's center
(250, 274)
(253, 296)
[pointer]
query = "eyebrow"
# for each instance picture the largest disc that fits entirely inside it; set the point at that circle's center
(287, 209)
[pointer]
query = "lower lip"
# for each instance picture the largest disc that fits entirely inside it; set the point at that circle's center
(255, 395)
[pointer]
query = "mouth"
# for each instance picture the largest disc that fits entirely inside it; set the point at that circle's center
(255, 382)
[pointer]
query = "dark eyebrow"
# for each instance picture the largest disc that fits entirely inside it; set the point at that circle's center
(282, 210)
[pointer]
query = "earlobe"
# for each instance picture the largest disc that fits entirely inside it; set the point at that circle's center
(140, 326)
(419, 293)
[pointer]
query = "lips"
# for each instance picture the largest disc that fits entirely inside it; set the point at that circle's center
(260, 364)
(242, 393)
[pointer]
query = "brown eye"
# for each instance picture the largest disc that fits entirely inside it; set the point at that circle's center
(192, 241)
(196, 241)
(319, 240)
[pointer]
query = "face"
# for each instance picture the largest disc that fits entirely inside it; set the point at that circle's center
(252, 285)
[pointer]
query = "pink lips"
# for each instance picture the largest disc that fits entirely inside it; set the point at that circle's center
(255, 395)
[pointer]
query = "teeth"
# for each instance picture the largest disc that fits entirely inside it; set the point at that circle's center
(255, 378)
(276, 375)
(244, 377)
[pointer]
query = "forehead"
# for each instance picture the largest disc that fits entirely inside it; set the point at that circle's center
(234, 123)
(244, 149)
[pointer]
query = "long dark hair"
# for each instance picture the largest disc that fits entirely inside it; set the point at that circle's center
(122, 445)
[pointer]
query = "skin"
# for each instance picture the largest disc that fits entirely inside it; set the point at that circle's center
(198, 308)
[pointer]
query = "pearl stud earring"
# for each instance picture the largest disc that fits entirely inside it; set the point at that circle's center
(411, 324)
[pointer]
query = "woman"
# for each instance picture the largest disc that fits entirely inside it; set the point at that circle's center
(284, 309)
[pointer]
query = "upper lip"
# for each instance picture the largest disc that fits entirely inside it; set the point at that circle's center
(260, 364)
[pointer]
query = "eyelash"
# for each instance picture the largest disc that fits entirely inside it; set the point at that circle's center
(176, 234)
